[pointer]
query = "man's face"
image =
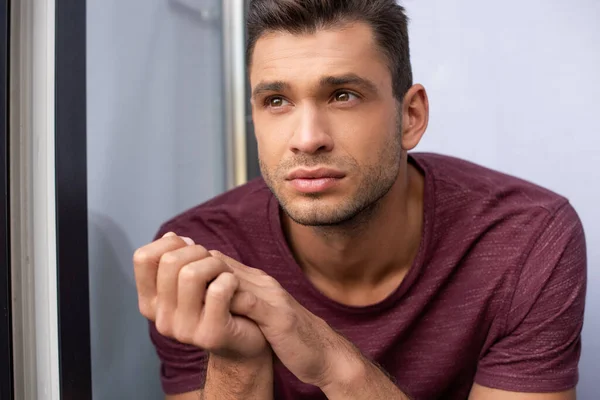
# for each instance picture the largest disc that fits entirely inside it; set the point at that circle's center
(326, 122)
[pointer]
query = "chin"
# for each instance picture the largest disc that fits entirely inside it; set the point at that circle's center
(325, 209)
(314, 220)
(315, 212)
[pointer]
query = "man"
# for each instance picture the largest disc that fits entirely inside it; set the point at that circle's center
(354, 270)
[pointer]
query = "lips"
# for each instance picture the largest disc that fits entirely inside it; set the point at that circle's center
(320, 173)
(314, 181)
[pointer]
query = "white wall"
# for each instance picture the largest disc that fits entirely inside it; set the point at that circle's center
(514, 85)
(154, 149)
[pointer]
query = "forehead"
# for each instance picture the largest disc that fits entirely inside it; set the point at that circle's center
(350, 49)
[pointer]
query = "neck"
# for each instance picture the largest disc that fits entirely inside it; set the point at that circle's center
(380, 243)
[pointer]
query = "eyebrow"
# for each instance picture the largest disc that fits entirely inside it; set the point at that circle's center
(274, 86)
(349, 79)
(326, 81)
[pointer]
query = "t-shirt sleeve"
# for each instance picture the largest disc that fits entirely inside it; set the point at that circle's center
(540, 348)
(183, 366)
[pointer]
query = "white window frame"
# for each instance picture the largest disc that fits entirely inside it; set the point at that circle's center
(33, 216)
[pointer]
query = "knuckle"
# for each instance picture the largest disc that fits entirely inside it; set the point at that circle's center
(201, 271)
(215, 262)
(284, 298)
(169, 259)
(164, 326)
(146, 309)
(189, 274)
(229, 279)
(249, 299)
(185, 337)
(207, 340)
(183, 332)
(223, 286)
(244, 302)
(141, 256)
(269, 281)
(216, 253)
(217, 290)
(215, 267)
(201, 251)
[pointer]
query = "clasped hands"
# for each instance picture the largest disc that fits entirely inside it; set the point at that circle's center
(209, 300)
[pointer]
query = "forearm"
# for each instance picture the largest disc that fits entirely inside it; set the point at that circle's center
(353, 377)
(371, 384)
(228, 380)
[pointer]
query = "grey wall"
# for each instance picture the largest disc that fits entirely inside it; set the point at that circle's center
(514, 85)
(154, 149)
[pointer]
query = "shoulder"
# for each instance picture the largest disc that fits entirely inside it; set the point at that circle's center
(476, 184)
(217, 222)
(495, 223)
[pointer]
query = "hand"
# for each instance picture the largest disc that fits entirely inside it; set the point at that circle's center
(303, 342)
(188, 293)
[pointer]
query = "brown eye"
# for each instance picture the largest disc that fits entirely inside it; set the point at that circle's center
(343, 96)
(275, 102)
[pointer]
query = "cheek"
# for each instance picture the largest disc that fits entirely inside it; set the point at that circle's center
(273, 135)
(271, 148)
(365, 139)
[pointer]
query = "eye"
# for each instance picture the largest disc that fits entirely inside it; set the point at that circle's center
(343, 96)
(275, 102)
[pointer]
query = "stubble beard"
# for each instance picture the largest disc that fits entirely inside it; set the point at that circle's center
(354, 211)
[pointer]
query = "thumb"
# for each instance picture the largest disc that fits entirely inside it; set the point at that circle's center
(247, 304)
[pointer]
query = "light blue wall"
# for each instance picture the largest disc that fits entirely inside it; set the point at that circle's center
(514, 85)
(155, 148)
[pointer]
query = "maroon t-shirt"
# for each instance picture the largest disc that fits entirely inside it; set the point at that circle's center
(494, 296)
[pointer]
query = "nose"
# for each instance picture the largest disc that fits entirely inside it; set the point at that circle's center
(311, 135)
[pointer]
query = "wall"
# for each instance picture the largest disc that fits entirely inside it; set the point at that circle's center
(154, 149)
(514, 85)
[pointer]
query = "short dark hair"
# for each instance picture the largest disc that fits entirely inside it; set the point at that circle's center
(387, 19)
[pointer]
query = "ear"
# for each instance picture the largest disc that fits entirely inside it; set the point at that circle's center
(415, 116)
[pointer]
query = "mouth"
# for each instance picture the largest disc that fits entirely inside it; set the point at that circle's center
(320, 173)
(314, 181)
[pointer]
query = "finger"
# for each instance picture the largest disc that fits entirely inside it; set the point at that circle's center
(249, 301)
(217, 301)
(242, 303)
(192, 284)
(167, 278)
(236, 265)
(187, 240)
(145, 265)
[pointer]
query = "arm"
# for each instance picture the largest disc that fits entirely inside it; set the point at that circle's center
(481, 392)
(306, 345)
(358, 379)
(366, 381)
(227, 380)
(185, 396)
(535, 359)
(186, 294)
(353, 377)
(536, 356)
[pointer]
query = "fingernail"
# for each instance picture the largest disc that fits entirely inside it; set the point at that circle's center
(188, 240)
(169, 234)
